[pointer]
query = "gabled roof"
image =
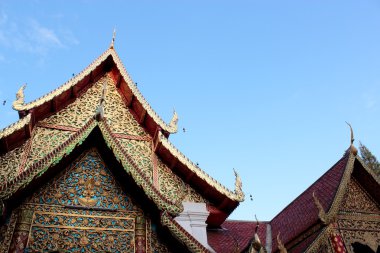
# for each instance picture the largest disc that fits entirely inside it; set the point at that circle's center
(303, 213)
(222, 200)
(73, 83)
(235, 235)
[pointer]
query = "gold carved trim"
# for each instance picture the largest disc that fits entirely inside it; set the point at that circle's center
(334, 209)
(15, 126)
(171, 128)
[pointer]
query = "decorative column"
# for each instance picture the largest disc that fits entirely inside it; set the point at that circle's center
(140, 235)
(193, 220)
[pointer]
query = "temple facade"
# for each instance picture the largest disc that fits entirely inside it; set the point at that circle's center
(89, 168)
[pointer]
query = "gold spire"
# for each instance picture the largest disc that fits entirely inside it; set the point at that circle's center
(113, 38)
(353, 149)
(19, 97)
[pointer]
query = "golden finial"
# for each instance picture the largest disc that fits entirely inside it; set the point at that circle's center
(256, 243)
(281, 246)
(174, 121)
(353, 149)
(238, 186)
(19, 97)
(113, 38)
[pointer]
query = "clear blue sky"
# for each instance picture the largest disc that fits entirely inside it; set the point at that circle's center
(261, 86)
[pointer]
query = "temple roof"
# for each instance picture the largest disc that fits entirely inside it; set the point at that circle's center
(235, 235)
(64, 113)
(304, 213)
(20, 106)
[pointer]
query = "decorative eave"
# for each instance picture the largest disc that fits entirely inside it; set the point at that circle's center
(24, 108)
(18, 125)
(237, 195)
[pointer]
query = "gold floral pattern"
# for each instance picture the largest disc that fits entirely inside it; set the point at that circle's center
(356, 198)
(141, 153)
(10, 162)
(45, 141)
(174, 188)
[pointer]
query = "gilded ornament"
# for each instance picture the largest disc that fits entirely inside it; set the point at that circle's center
(353, 149)
(281, 246)
(174, 121)
(238, 186)
(19, 97)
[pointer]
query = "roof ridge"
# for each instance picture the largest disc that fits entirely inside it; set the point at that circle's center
(237, 196)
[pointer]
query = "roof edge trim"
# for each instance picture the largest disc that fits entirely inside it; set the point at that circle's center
(236, 196)
(170, 128)
(15, 126)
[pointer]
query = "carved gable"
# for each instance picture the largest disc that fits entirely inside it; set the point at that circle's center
(356, 198)
(83, 209)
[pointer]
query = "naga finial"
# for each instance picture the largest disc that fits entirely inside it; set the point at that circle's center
(113, 38)
(238, 186)
(256, 246)
(174, 121)
(321, 211)
(19, 97)
(353, 149)
(281, 246)
(99, 113)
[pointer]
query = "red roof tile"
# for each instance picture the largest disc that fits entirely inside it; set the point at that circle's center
(302, 212)
(235, 236)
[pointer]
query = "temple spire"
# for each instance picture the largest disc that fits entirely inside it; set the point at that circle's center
(113, 38)
(353, 149)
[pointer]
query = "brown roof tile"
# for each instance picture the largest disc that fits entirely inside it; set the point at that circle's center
(302, 213)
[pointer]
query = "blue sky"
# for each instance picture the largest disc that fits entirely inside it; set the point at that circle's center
(261, 86)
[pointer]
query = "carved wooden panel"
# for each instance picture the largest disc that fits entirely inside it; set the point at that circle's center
(356, 198)
(83, 209)
(359, 218)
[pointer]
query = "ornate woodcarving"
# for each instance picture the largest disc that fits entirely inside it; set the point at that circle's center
(359, 218)
(356, 198)
(7, 230)
(141, 153)
(10, 162)
(118, 116)
(44, 141)
(157, 245)
(81, 210)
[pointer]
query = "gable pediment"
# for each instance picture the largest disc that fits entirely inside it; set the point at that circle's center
(358, 200)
